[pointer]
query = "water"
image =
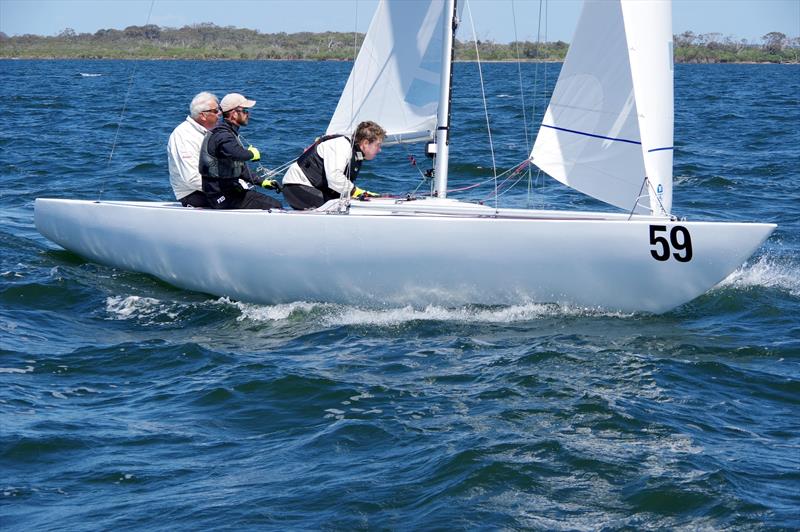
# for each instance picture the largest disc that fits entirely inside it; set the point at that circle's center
(128, 404)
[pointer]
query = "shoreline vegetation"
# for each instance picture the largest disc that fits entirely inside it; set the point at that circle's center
(211, 42)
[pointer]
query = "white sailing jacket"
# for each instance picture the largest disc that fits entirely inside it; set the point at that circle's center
(183, 153)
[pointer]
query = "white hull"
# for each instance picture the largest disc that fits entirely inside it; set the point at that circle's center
(414, 253)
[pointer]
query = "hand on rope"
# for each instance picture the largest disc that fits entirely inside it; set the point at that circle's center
(272, 184)
(360, 193)
(256, 154)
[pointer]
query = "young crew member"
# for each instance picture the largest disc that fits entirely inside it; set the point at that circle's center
(329, 167)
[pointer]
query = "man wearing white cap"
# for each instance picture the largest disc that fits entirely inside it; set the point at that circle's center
(223, 160)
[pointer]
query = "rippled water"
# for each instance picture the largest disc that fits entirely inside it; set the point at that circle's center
(127, 403)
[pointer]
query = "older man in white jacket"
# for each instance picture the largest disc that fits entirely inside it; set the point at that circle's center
(183, 150)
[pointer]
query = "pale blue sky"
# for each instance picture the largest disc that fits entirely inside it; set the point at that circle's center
(747, 19)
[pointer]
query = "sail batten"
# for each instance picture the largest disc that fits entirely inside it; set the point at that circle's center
(593, 135)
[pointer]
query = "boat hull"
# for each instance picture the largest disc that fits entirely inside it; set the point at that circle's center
(383, 255)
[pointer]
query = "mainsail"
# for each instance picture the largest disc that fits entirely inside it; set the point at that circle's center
(609, 124)
(396, 77)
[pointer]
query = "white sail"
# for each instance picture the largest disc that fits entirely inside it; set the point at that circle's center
(396, 77)
(609, 122)
(648, 26)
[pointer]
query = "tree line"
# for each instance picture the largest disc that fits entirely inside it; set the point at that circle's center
(209, 41)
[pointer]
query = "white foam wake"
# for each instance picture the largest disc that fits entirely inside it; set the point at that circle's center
(766, 272)
(337, 315)
(327, 314)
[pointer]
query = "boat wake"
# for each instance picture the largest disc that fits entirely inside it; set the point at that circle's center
(153, 311)
(338, 315)
(767, 272)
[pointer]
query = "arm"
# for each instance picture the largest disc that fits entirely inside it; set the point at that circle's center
(336, 155)
(228, 146)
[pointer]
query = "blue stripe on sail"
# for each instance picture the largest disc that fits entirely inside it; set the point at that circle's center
(661, 149)
(593, 135)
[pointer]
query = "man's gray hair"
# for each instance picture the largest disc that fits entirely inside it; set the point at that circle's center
(201, 103)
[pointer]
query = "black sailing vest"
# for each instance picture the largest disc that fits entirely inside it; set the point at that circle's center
(220, 176)
(314, 167)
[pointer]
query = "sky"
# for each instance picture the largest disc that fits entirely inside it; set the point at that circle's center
(741, 19)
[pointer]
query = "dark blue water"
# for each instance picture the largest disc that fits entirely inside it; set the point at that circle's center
(128, 404)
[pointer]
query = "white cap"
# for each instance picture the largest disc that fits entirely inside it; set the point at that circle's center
(234, 100)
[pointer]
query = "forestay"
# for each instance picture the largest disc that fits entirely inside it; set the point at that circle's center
(610, 119)
(396, 77)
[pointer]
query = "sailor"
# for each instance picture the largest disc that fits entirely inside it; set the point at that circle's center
(328, 168)
(223, 158)
(183, 150)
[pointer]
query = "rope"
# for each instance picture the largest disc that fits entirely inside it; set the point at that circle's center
(344, 199)
(122, 112)
(521, 87)
(483, 95)
(262, 170)
(512, 171)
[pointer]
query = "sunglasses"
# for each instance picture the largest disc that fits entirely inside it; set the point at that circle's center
(243, 110)
(215, 111)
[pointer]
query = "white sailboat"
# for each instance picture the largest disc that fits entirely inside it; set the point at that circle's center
(607, 132)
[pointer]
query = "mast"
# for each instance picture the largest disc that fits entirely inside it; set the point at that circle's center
(443, 115)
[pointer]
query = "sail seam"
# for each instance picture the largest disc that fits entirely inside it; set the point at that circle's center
(593, 135)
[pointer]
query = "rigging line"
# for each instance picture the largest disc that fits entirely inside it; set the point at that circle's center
(512, 185)
(522, 87)
(415, 165)
(122, 112)
(546, 19)
(538, 62)
(267, 172)
(636, 203)
(344, 199)
(483, 94)
(511, 173)
(515, 169)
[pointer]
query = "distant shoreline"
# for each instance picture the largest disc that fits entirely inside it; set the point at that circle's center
(225, 59)
(208, 42)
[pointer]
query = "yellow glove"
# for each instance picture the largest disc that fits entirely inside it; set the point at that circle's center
(271, 184)
(361, 193)
(255, 152)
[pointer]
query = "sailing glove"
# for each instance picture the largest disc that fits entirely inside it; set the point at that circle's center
(360, 193)
(272, 184)
(256, 154)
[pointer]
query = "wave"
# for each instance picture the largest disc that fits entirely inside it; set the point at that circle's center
(137, 307)
(766, 272)
(152, 310)
(337, 315)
